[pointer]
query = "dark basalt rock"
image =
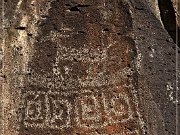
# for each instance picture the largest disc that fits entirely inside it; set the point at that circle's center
(87, 68)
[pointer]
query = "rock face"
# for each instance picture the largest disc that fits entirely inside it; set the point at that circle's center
(168, 13)
(176, 5)
(83, 67)
(154, 6)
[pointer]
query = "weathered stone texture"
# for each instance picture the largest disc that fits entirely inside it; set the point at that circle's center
(176, 4)
(153, 4)
(101, 67)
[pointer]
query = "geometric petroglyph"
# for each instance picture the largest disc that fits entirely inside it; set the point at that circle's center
(98, 80)
(35, 108)
(59, 112)
(87, 110)
(117, 107)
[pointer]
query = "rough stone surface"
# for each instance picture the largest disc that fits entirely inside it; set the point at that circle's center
(168, 13)
(176, 4)
(169, 17)
(154, 7)
(83, 67)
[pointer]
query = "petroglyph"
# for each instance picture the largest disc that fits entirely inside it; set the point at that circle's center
(79, 77)
(171, 95)
(83, 67)
(100, 79)
(92, 110)
(34, 114)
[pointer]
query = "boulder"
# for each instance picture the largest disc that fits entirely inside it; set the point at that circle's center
(83, 67)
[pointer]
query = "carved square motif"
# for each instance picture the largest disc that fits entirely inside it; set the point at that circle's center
(34, 108)
(60, 109)
(88, 111)
(117, 107)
